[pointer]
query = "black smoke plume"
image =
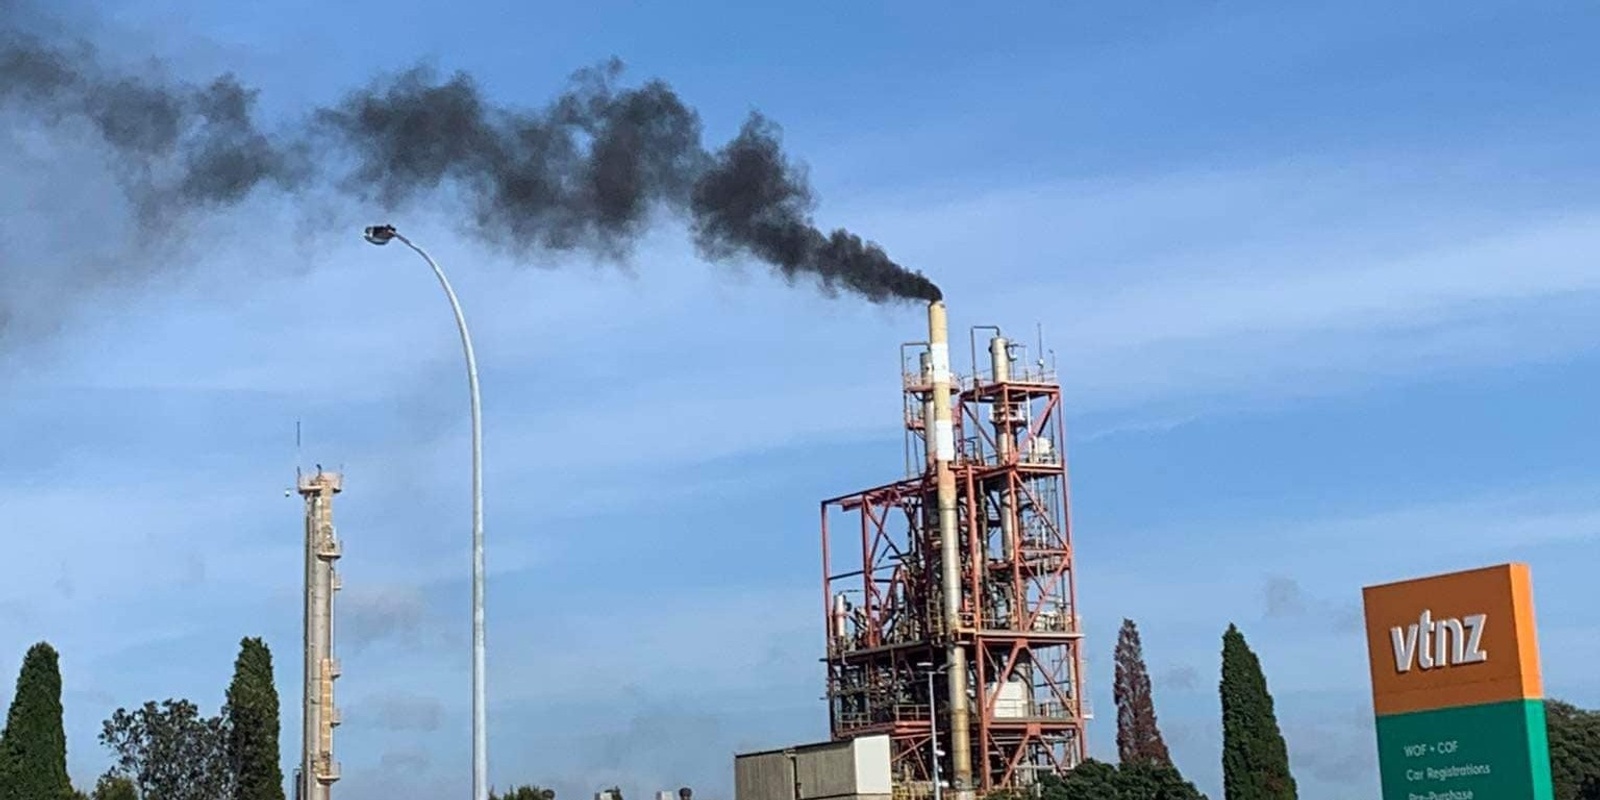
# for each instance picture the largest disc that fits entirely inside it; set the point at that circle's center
(589, 171)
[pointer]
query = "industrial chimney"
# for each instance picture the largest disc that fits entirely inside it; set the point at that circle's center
(941, 441)
(318, 771)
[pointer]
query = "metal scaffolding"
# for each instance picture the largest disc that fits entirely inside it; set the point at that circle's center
(984, 462)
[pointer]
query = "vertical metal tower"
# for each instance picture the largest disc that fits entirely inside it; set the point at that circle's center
(318, 771)
(961, 573)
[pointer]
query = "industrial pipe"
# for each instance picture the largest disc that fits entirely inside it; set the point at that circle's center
(949, 551)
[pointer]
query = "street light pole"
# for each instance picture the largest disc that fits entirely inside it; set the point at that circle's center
(380, 235)
(933, 726)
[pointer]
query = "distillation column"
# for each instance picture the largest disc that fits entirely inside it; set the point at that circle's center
(1008, 421)
(1005, 435)
(943, 434)
(318, 770)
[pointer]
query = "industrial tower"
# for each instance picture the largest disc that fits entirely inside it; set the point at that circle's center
(950, 596)
(318, 771)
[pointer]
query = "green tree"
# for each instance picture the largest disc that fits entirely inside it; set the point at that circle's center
(33, 747)
(252, 714)
(1255, 759)
(526, 792)
(113, 788)
(169, 751)
(1138, 737)
(1140, 780)
(1574, 750)
(1090, 780)
(1150, 780)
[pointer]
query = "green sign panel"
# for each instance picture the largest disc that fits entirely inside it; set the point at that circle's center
(1493, 751)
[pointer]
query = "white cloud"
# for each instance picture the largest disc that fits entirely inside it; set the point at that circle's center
(667, 644)
(1303, 292)
(1200, 291)
(1334, 556)
(1446, 531)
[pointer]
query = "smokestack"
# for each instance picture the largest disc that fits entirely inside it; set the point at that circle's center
(949, 550)
(589, 172)
(318, 771)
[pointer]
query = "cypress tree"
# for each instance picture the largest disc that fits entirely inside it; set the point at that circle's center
(252, 714)
(33, 747)
(1255, 759)
(1138, 738)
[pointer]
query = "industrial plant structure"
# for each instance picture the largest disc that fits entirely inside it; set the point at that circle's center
(951, 610)
(318, 770)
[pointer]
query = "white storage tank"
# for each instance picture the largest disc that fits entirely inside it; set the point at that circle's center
(1013, 699)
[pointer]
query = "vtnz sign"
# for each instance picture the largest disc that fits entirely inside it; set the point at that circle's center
(1432, 643)
(1451, 722)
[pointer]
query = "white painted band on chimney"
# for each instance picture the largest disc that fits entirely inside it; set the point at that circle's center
(944, 440)
(939, 353)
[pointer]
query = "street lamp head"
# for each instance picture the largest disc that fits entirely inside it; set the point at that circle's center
(380, 234)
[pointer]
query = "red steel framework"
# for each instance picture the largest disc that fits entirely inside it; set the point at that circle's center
(1018, 614)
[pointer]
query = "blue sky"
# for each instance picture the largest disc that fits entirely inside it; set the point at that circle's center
(1322, 282)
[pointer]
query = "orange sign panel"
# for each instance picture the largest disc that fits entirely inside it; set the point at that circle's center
(1462, 638)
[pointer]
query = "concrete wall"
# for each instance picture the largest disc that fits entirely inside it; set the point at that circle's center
(763, 776)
